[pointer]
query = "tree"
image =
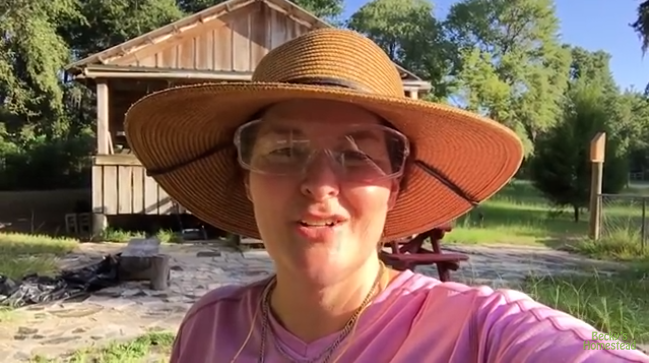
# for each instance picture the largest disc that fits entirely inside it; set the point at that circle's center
(641, 27)
(560, 168)
(329, 10)
(31, 56)
(513, 68)
(411, 36)
(629, 109)
(641, 24)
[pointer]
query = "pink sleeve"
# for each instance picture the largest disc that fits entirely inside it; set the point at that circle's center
(518, 329)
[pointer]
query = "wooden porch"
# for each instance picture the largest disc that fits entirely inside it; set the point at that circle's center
(120, 186)
(221, 44)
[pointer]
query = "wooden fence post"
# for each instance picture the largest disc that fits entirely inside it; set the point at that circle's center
(597, 152)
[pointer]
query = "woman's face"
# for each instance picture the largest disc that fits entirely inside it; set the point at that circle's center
(323, 220)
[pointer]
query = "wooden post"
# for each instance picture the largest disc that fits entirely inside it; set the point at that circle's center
(103, 132)
(413, 93)
(597, 156)
(99, 220)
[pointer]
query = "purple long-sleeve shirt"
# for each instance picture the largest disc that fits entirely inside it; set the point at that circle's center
(415, 319)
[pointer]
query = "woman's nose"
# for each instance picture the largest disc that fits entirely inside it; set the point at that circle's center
(320, 180)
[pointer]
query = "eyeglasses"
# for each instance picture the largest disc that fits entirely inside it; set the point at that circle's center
(356, 152)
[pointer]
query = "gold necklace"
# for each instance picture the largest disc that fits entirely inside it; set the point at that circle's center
(325, 356)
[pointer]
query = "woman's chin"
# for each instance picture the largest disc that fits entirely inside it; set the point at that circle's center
(318, 264)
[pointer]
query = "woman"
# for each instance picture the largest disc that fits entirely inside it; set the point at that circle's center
(323, 158)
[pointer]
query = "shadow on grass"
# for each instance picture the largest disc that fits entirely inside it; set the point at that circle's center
(521, 192)
(503, 222)
(519, 214)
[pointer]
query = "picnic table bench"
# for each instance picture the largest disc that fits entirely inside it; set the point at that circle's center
(408, 253)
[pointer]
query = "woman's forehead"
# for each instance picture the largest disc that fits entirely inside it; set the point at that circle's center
(306, 114)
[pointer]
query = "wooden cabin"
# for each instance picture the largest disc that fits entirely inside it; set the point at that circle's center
(223, 43)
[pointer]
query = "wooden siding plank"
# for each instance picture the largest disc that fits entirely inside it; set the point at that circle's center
(201, 43)
(222, 48)
(138, 190)
(165, 204)
(209, 50)
(110, 190)
(169, 57)
(266, 13)
(147, 62)
(279, 30)
(181, 209)
(258, 38)
(241, 43)
(151, 200)
(158, 60)
(98, 189)
(194, 53)
(125, 190)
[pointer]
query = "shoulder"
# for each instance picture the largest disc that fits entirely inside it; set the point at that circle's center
(511, 326)
(497, 308)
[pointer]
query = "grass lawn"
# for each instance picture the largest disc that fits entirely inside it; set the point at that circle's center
(22, 254)
(519, 214)
(142, 349)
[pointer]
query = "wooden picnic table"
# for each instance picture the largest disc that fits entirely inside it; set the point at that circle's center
(408, 253)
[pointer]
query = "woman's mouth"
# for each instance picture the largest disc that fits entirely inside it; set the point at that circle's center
(321, 230)
(320, 224)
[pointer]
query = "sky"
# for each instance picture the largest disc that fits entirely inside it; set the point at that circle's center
(591, 24)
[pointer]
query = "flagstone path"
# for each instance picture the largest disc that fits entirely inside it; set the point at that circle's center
(125, 312)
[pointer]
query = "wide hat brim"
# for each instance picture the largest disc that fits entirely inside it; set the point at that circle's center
(170, 127)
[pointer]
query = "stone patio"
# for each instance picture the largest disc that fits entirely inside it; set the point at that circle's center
(125, 312)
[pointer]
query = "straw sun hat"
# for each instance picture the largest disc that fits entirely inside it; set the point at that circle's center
(184, 136)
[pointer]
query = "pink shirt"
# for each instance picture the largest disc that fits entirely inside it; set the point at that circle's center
(416, 319)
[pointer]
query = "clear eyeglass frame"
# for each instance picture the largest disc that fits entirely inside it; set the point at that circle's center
(363, 162)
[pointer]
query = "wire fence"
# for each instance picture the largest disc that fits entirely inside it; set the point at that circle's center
(625, 216)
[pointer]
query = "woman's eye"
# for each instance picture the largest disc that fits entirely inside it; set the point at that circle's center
(282, 152)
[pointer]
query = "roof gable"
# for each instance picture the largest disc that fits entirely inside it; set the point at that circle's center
(194, 24)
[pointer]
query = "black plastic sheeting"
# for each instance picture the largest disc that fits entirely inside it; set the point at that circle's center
(34, 289)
